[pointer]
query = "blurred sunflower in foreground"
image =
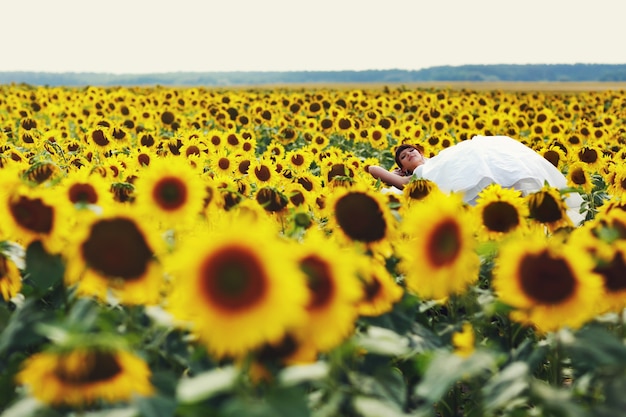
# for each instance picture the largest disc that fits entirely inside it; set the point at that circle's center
(116, 254)
(438, 256)
(237, 287)
(549, 283)
(85, 375)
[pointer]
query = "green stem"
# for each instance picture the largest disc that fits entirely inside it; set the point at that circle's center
(555, 362)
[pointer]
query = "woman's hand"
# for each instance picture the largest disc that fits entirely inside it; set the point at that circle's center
(396, 177)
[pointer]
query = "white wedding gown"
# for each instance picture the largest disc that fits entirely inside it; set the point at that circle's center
(471, 165)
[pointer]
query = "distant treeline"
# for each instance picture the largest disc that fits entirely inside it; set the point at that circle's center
(487, 73)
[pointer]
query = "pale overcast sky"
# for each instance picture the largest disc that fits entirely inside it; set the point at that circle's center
(154, 36)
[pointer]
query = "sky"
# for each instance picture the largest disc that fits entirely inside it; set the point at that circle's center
(155, 36)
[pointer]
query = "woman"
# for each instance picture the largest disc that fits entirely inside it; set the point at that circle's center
(471, 165)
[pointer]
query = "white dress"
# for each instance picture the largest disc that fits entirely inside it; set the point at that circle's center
(471, 165)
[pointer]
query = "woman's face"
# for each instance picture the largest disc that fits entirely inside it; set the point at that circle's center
(410, 158)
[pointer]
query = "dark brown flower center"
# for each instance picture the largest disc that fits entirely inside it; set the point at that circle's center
(170, 193)
(544, 208)
(233, 279)
(82, 193)
(271, 200)
(444, 244)
(546, 279)
(263, 173)
(614, 273)
(500, 216)
(99, 138)
(33, 214)
(588, 155)
(360, 217)
(319, 281)
(117, 248)
(578, 176)
(97, 367)
(418, 189)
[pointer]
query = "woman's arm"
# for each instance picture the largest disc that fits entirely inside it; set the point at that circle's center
(389, 178)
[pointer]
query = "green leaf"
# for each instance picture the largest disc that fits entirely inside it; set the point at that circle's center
(383, 342)
(239, 407)
(296, 374)
(505, 386)
(446, 368)
(116, 412)
(25, 407)
(593, 347)
(207, 384)
(554, 401)
(156, 406)
(43, 269)
(288, 402)
(385, 383)
(373, 407)
(20, 331)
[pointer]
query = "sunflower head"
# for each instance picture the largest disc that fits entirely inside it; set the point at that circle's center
(418, 189)
(10, 278)
(361, 215)
(237, 294)
(500, 211)
(117, 254)
(437, 252)
(549, 283)
(548, 207)
(579, 176)
(85, 375)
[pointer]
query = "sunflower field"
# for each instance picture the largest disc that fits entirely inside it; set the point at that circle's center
(224, 252)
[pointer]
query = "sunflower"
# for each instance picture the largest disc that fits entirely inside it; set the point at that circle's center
(336, 171)
(193, 146)
(237, 294)
(547, 207)
(41, 172)
(361, 215)
(170, 190)
(297, 196)
(418, 189)
(380, 289)
(331, 272)
(223, 162)
(84, 376)
(99, 139)
(438, 256)
(592, 156)
(263, 171)
(500, 211)
(553, 154)
(616, 186)
(229, 193)
(610, 264)
(298, 160)
(272, 199)
(609, 223)
(117, 253)
(378, 137)
(579, 176)
(34, 214)
(464, 340)
(549, 283)
(82, 187)
(10, 278)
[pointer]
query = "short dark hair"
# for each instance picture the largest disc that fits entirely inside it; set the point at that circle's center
(404, 146)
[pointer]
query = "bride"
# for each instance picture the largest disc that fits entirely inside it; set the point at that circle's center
(471, 165)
